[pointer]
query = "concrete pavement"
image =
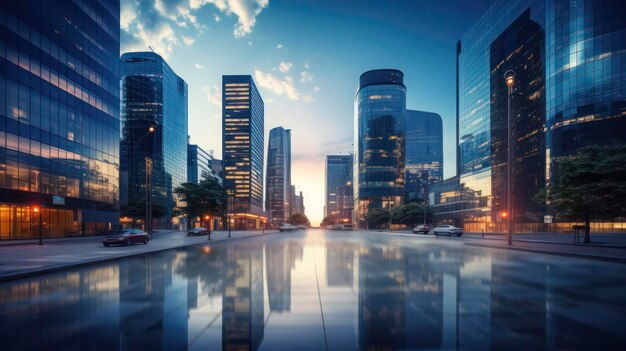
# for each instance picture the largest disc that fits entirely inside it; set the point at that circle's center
(27, 259)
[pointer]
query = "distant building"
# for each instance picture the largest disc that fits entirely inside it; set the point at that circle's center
(423, 153)
(198, 164)
(278, 177)
(152, 92)
(338, 173)
(243, 147)
(59, 117)
(380, 123)
(344, 202)
(299, 204)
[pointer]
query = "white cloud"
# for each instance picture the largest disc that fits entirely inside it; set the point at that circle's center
(279, 46)
(285, 66)
(188, 40)
(249, 43)
(160, 38)
(246, 12)
(198, 66)
(308, 98)
(307, 66)
(213, 95)
(216, 17)
(127, 16)
(316, 89)
(306, 76)
(276, 85)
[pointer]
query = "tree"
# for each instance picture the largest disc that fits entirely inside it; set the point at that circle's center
(411, 214)
(205, 198)
(589, 185)
(329, 220)
(298, 219)
(136, 208)
(376, 217)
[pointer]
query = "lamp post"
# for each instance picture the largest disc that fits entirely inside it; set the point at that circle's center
(152, 127)
(509, 79)
(37, 209)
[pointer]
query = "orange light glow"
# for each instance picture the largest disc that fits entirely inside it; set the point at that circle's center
(36, 209)
(504, 214)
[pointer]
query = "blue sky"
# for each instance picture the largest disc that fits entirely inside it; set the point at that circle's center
(306, 57)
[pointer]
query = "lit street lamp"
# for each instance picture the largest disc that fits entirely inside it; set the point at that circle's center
(152, 127)
(509, 79)
(37, 209)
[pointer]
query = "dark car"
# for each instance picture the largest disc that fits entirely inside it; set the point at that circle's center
(422, 228)
(198, 231)
(126, 237)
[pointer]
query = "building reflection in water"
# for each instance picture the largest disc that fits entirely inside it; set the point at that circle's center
(404, 297)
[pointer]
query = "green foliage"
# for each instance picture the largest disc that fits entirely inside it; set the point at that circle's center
(377, 217)
(298, 219)
(411, 214)
(590, 185)
(205, 198)
(329, 220)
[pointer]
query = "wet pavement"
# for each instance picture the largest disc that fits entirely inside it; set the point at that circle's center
(320, 290)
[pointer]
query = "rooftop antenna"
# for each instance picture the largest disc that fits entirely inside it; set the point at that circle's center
(150, 47)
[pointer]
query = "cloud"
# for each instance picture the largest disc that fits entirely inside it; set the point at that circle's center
(308, 98)
(213, 95)
(285, 66)
(157, 23)
(279, 46)
(198, 66)
(276, 85)
(249, 43)
(188, 40)
(316, 89)
(307, 66)
(306, 76)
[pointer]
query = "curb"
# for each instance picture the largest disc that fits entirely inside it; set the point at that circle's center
(622, 247)
(15, 242)
(56, 268)
(554, 253)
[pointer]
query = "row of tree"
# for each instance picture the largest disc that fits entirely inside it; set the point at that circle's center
(409, 214)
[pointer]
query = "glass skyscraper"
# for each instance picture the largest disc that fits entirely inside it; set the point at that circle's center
(423, 153)
(152, 92)
(59, 117)
(242, 150)
(198, 164)
(278, 176)
(379, 132)
(338, 174)
(569, 60)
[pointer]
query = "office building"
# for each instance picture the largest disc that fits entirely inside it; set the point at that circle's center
(152, 92)
(569, 93)
(338, 173)
(278, 177)
(298, 203)
(380, 118)
(59, 118)
(198, 164)
(242, 148)
(423, 153)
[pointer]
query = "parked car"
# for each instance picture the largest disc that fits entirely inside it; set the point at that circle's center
(422, 228)
(346, 227)
(286, 227)
(126, 237)
(448, 230)
(198, 231)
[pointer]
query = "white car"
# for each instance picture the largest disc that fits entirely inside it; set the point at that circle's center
(447, 230)
(286, 227)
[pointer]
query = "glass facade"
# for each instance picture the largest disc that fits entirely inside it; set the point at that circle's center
(59, 117)
(198, 164)
(423, 153)
(278, 177)
(569, 62)
(379, 131)
(152, 92)
(338, 174)
(242, 150)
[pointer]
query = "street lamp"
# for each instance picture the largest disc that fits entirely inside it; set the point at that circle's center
(37, 209)
(152, 127)
(509, 79)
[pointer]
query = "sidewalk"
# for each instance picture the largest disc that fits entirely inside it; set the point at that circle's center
(27, 259)
(68, 239)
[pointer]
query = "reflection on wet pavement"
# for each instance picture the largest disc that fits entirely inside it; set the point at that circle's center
(320, 290)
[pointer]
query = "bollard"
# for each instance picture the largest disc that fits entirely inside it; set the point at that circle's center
(483, 235)
(209, 234)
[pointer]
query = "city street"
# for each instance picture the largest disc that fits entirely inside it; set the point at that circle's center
(321, 290)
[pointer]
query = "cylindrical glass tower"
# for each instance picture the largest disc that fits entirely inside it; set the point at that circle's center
(379, 117)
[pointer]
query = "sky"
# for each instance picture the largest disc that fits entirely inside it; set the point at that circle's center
(306, 57)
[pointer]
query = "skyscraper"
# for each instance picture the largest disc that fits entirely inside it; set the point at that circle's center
(379, 120)
(198, 164)
(59, 117)
(278, 177)
(152, 92)
(243, 146)
(569, 62)
(338, 174)
(424, 153)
